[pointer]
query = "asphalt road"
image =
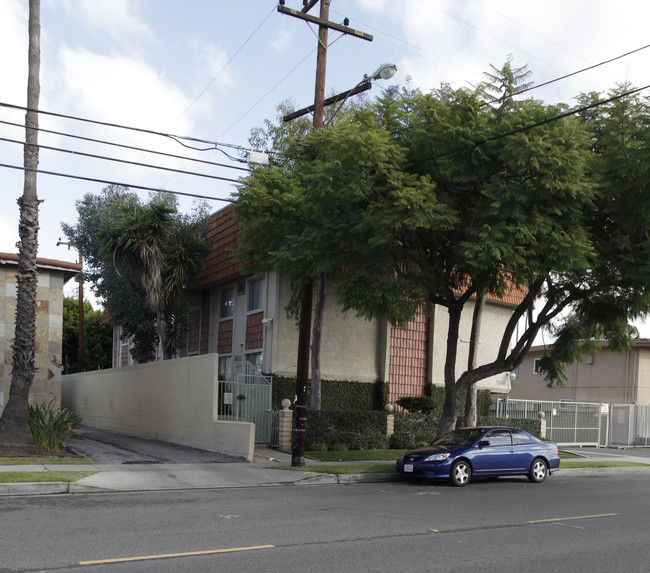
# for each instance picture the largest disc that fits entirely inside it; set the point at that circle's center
(598, 523)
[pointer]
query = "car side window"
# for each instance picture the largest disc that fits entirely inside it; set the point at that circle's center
(498, 437)
(519, 437)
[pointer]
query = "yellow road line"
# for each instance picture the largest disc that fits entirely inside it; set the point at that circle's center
(576, 517)
(170, 555)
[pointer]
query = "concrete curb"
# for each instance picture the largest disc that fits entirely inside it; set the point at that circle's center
(54, 488)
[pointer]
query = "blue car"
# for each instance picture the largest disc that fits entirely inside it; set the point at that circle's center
(487, 451)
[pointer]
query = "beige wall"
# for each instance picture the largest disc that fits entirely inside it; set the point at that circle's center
(494, 320)
(352, 348)
(49, 334)
(605, 377)
(172, 401)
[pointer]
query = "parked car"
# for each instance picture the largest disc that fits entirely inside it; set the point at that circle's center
(486, 451)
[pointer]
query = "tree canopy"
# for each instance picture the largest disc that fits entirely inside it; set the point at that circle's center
(140, 258)
(436, 198)
(97, 337)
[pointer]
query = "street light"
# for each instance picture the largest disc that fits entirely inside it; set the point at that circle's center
(383, 72)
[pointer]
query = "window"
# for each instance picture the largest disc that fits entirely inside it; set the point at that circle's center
(498, 437)
(227, 302)
(255, 294)
(225, 368)
(519, 437)
(255, 359)
(536, 364)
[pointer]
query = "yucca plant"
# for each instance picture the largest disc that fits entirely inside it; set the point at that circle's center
(51, 426)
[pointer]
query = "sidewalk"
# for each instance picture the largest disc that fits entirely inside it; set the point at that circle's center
(149, 465)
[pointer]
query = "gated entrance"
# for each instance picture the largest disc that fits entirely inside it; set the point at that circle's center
(247, 399)
(567, 423)
(630, 425)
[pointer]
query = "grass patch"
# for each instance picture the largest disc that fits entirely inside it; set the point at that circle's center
(568, 455)
(31, 477)
(44, 461)
(601, 464)
(345, 469)
(356, 455)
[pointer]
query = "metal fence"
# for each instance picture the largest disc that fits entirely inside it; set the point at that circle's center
(567, 423)
(248, 399)
(630, 425)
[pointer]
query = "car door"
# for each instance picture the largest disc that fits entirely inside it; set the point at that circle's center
(497, 457)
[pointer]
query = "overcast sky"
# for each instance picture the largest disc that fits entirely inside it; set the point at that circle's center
(215, 69)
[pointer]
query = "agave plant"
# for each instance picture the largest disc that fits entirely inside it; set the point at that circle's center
(51, 426)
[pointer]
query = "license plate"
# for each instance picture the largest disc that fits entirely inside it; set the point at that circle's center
(408, 467)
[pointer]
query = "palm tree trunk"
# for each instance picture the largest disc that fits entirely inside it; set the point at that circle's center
(14, 430)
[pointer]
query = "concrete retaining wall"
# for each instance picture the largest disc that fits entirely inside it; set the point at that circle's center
(173, 400)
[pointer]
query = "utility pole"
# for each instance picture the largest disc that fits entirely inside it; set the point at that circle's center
(307, 287)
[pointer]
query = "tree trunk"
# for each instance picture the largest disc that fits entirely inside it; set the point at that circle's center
(14, 430)
(470, 398)
(316, 336)
(453, 396)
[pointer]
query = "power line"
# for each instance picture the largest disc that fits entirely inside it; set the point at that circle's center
(127, 127)
(108, 182)
(104, 158)
(124, 146)
(544, 122)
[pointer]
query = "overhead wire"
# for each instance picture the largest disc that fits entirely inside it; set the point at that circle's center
(109, 182)
(124, 146)
(115, 160)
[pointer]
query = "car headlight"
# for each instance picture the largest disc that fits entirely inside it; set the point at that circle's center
(436, 458)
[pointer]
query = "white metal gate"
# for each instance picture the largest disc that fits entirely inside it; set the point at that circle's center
(630, 425)
(567, 423)
(247, 399)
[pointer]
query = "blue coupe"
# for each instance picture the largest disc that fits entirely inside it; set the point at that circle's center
(487, 451)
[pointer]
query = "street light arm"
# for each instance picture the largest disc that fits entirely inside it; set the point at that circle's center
(363, 86)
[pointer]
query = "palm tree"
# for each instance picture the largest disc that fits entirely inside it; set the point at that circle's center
(14, 430)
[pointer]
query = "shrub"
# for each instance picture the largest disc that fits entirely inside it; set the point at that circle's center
(423, 404)
(316, 447)
(413, 430)
(355, 430)
(51, 426)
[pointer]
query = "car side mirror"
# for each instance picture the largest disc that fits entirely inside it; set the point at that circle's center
(484, 443)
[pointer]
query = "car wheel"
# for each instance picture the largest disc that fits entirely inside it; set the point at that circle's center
(461, 473)
(538, 471)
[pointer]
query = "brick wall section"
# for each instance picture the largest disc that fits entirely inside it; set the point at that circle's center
(408, 367)
(224, 235)
(254, 331)
(224, 341)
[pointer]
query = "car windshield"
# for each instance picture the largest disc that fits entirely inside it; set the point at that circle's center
(463, 437)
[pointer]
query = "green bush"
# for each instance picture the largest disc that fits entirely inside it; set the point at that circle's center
(413, 430)
(51, 426)
(423, 404)
(336, 395)
(362, 430)
(316, 447)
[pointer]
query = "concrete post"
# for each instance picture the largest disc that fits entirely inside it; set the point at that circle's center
(285, 427)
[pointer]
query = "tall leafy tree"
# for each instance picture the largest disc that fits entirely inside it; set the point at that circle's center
(13, 424)
(97, 339)
(140, 258)
(439, 199)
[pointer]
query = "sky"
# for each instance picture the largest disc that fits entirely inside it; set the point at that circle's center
(212, 70)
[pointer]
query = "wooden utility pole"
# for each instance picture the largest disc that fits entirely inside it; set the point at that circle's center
(307, 288)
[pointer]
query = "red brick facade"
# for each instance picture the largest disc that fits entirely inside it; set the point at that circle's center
(224, 235)
(254, 331)
(408, 366)
(224, 341)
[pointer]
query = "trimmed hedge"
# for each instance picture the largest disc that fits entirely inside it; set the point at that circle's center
(413, 430)
(336, 395)
(354, 430)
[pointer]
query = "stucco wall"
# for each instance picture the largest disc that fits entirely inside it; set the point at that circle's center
(172, 401)
(494, 320)
(605, 377)
(49, 334)
(352, 348)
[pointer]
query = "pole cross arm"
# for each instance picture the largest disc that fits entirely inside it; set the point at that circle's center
(315, 20)
(361, 87)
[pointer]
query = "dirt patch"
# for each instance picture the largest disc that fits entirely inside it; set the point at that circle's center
(33, 451)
